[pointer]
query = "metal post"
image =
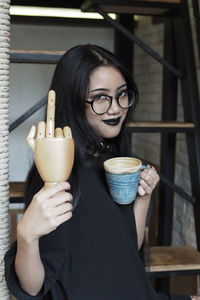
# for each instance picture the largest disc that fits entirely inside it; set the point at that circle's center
(191, 105)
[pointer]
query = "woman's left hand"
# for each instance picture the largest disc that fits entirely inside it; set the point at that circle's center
(148, 181)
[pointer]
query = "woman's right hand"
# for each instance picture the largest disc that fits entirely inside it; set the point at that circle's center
(49, 208)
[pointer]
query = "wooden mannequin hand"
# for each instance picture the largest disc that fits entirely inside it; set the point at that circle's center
(49, 208)
(53, 148)
(46, 130)
(148, 181)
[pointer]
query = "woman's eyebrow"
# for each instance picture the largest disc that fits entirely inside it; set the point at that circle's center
(107, 90)
(99, 89)
(121, 86)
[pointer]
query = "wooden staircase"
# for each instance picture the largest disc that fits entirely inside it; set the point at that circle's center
(178, 64)
(17, 191)
(170, 261)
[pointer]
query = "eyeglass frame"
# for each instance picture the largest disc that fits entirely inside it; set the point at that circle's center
(111, 100)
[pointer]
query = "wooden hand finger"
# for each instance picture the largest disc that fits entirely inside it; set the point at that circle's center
(50, 122)
(59, 133)
(41, 129)
(31, 137)
(67, 132)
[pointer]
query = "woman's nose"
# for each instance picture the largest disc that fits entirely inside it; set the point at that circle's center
(115, 108)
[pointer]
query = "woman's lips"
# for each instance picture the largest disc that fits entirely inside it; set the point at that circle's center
(112, 122)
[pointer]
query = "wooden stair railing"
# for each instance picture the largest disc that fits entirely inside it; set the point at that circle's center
(17, 189)
(35, 56)
(165, 260)
(179, 64)
(141, 7)
(160, 126)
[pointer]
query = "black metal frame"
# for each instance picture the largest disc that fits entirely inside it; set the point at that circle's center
(190, 96)
(169, 68)
(28, 113)
(179, 47)
(123, 46)
(196, 13)
(168, 140)
(138, 41)
(178, 32)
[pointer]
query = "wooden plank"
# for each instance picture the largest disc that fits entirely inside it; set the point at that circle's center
(17, 189)
(134, 10)
(149, 7)
(35, 56)
(166, 1)
(47, 52)
(161, 124)
(161, 127)
(174, 258)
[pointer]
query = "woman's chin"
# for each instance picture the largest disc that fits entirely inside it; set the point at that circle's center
(110, 134)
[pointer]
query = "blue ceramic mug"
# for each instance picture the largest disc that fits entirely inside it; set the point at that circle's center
(122, 176)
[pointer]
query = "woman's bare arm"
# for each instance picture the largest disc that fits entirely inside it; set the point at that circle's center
(48, 209)
(28, 265)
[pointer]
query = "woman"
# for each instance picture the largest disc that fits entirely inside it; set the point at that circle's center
(85, 248)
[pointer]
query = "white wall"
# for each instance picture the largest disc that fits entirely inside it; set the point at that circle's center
(30, 82)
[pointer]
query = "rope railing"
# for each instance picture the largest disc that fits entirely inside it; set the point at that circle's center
(4, 133)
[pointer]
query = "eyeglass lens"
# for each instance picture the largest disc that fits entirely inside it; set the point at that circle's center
(102, 103)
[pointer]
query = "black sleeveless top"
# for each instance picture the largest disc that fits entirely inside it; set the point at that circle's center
(94, 255)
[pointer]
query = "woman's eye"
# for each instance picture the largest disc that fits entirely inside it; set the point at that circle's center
(123, 93)
(100, 97)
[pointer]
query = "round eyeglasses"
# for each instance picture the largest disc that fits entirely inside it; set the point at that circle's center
(101, 103)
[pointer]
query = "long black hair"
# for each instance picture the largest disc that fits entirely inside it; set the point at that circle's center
(70, 82)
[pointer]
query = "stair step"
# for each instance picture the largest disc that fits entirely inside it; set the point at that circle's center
(17, 189)
(160, 126)
(35, 56)
(140, 7)
(178, 259)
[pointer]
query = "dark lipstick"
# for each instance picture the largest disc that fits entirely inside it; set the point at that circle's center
(113, 121)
